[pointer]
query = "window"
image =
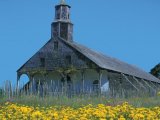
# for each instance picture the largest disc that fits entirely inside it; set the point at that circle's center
(95, 85)
(80, 56)
(56, 45)
(42, 62)
(69, 83)
(64, 30)
(58, 13)
(120, 80)
(68, 59)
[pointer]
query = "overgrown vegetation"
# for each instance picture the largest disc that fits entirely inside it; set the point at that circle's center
(77, 101)
(11, 94)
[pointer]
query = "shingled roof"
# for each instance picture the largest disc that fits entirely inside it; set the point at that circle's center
(109, 63)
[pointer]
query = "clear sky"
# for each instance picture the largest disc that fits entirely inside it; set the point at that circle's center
(125, 29)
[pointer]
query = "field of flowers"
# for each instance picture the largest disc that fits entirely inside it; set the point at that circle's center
(11, 111)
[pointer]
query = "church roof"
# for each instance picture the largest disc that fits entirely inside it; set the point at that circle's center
(109, 63)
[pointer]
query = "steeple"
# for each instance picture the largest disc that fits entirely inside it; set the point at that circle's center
(62, 26)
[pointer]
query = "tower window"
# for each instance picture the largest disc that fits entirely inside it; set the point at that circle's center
(58, 13)
(42, 62)
(64, 30)
(56, 45)
(68, 59)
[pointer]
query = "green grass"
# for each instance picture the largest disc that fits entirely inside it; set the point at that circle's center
(79, 101)
(76, 101)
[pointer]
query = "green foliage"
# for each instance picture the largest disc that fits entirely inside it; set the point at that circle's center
(156, 71)
(50, 99)
(65, 71)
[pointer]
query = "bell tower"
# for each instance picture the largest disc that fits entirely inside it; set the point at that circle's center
(62, 25)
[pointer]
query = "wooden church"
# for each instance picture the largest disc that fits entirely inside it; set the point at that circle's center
(64, 66)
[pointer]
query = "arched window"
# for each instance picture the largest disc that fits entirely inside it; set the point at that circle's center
(24, 82)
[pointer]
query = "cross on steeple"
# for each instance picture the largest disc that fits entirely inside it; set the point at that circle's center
(62, 2)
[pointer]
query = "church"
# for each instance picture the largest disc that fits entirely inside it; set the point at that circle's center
(63, 66)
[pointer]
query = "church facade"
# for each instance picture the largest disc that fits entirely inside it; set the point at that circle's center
(64, 66)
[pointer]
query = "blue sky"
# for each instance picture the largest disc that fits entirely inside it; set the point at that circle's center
(125, 29)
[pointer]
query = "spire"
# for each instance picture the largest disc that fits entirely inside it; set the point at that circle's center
(62, 2)
(62, 25)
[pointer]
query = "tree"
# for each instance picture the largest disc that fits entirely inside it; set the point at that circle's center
(156, 71)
